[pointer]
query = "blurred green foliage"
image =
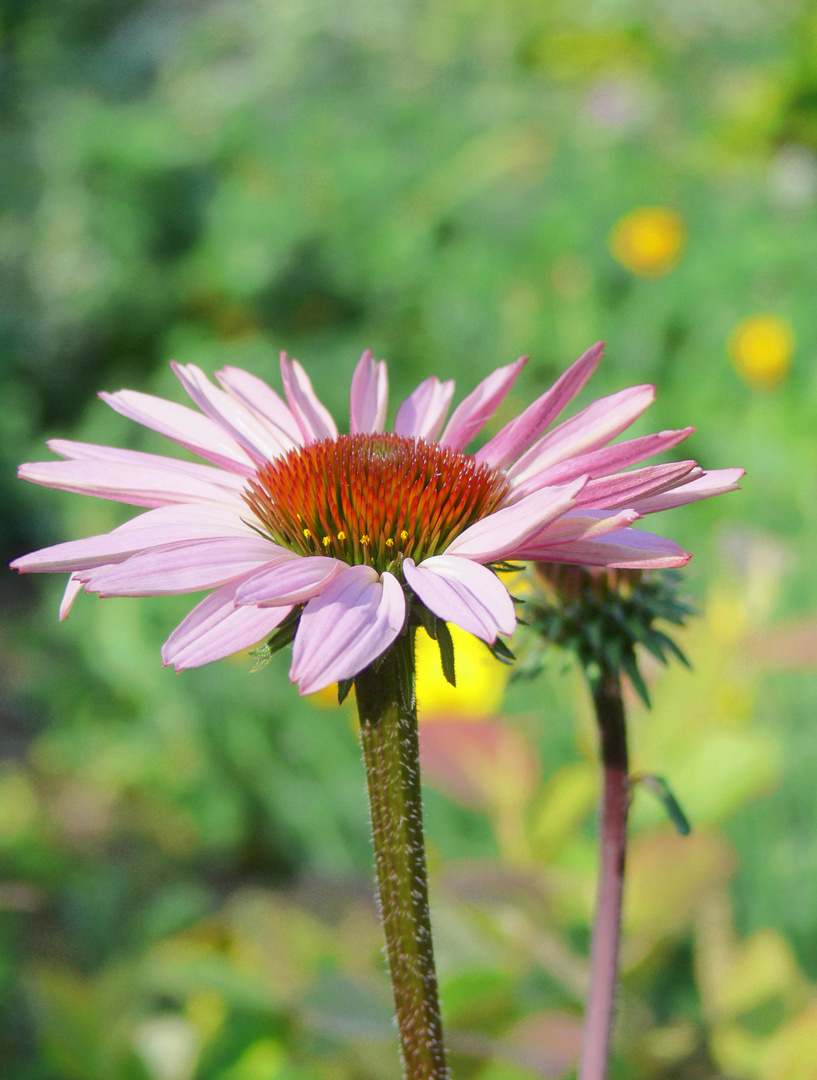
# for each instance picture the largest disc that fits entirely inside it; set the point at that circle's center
(187, 878)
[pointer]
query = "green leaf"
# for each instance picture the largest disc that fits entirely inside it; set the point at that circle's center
(630, 666)
(659, 787)
(344, 687)
(503, 567)
(501, 651)
(446, 645)
(428, 620)
(670, 644)
(405, 670)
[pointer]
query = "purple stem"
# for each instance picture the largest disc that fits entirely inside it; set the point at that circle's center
(598, 1020)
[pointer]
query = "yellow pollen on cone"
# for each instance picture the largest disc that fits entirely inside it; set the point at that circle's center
(376, 495)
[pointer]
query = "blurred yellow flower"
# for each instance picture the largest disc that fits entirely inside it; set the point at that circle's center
(327, 698)
(761, 348)
(648, 241)
(481, 678)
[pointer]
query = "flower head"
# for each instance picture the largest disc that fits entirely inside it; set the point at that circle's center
(347, 534)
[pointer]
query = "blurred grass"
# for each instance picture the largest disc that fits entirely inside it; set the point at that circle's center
(186, 863)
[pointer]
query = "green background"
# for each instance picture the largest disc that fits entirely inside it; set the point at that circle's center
(187, 885)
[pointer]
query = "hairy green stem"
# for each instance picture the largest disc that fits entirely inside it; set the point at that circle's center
(599, 1014)
(388, 735)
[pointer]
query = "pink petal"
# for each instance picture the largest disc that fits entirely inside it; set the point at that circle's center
(501, 450)
(714, 482)
(587, 430)
(72, 591)
(261, 440)
(369, 396)
(314, 419)
(579, 525)
(135, 484)
(499, 535)
(463, 592)
(185, 426)
(290, 582)
(184, 567)
(624, 489)
(261, 399)
(629, 548)
(224, 518)
(470, 415)
(154, 529)
(423, 412)
(216, 628)
(348, 626)
(606, 460)
(77, 451)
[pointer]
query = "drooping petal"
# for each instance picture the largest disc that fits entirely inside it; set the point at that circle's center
(262, 399)
(519, 433)
(581, 525)
(587, 430)
(314, 419)
(139, 485)
(289, 582)
(423, 412)
(72, 591)
(470, 415)
(629, 548)
(604, 461)
(184, 567)
(216, 628)
(348, 626)
(185, 426)
(499, 535)
(156, 528)
(77, 451)
(261, 440)
(463, 592)
(713, 482)
(369, 396)
(624, 489)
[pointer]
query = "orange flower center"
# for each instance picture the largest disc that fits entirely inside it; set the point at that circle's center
(372, 498)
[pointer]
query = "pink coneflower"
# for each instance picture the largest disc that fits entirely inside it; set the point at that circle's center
(358, 527)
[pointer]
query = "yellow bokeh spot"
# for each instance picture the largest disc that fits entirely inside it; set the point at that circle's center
(648, 241)
(327, 698)
(761, 349)
(481, 679)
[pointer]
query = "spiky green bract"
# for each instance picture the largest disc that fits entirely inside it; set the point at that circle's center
(284, 635)
(601, 616)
